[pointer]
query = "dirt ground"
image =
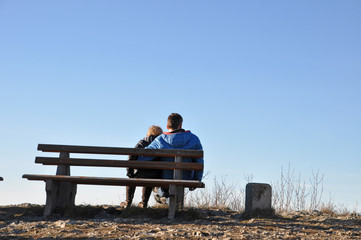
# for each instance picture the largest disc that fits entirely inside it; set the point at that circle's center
(25, 221)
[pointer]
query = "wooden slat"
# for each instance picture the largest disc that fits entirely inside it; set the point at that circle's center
(116, 181)
(120, 151)
(119, 163)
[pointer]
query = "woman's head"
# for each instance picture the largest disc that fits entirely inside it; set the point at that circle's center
(154, 130)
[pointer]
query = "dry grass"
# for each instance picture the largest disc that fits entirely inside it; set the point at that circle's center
(221, 196)
(290, 193)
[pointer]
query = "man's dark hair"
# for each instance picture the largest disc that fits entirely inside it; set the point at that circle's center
(174, 121)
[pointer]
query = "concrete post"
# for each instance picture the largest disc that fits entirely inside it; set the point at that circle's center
(258, 200)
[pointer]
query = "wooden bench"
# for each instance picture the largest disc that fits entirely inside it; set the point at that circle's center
(61, 188)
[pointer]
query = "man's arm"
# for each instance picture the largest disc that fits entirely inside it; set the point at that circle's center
(153, 145)
(198, 174)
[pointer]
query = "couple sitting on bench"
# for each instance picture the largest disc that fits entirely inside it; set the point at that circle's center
(176, 138)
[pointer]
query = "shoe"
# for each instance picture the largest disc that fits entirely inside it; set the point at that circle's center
(164, 200)
(163, 192)
(142, 205)
(159, 199)
(125, 205)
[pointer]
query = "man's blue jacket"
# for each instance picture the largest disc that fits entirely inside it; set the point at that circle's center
(177, 140)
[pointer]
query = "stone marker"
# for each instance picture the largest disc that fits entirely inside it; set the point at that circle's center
(258, 199)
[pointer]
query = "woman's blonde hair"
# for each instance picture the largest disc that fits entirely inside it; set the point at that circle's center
(154, 130)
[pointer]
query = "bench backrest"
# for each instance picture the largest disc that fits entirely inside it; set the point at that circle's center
(65, 159)
(120, 151)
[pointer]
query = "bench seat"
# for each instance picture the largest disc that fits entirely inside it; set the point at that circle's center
(117, 181)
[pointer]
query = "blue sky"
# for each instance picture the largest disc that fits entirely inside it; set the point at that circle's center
(264, 84)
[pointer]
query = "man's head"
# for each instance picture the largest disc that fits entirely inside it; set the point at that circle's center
(174, 121)
(154, 130)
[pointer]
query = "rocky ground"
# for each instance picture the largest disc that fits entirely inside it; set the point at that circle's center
(110, 222)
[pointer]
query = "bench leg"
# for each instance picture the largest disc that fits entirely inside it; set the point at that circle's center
(172, 201)
(180, 195)
(176, 193)
(59, 195)
(176, 200)
(51, 188)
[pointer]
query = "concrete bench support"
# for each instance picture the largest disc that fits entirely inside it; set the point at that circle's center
(258, 200)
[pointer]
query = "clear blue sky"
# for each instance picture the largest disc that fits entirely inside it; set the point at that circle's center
(262, 83)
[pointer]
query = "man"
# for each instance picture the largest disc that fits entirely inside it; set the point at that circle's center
(177, 138)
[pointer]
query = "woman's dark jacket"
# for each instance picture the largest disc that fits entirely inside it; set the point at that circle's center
(143, 173)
